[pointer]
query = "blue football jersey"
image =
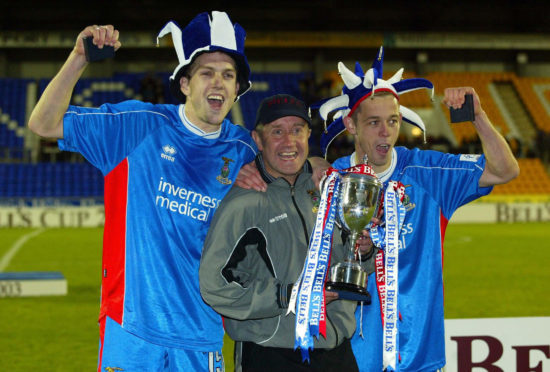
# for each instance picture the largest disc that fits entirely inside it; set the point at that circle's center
(163, 182)
(436, 184)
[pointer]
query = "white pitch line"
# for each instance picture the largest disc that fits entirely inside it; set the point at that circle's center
(16, 247)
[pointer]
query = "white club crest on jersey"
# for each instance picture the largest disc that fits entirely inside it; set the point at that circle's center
(168, 152)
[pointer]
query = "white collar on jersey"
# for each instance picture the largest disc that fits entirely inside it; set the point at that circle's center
(385, 175)
(196, 130)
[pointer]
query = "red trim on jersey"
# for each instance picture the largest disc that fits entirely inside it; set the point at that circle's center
(114, 243)
(442, 228)
(102, 322)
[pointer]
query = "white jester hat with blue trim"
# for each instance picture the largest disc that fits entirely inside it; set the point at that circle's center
(357, 87)
(207, 33)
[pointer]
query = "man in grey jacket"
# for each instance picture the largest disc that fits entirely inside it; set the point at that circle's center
(256, 248)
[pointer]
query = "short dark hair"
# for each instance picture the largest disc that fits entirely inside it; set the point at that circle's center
(382, 93)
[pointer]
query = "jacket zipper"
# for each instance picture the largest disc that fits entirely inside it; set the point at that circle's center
(300, 214)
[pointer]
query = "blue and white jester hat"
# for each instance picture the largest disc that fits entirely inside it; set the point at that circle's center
(207, 33)
(357, 87)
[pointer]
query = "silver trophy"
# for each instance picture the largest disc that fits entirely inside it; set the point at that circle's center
(359, 198)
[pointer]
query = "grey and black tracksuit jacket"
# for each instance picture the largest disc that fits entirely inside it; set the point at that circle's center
(255, 248)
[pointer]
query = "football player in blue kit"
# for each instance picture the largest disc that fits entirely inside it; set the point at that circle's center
(435, 184)
(166, 168)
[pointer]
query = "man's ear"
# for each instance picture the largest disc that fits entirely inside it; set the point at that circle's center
(184, 85)
(258, 139)
(349, 124)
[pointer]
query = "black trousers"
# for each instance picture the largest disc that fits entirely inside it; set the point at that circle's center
(265, 359)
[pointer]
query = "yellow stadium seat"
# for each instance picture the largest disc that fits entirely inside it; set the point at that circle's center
(533, 179)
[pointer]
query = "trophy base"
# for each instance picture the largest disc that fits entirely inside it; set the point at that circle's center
(350, 281)
(348, 291)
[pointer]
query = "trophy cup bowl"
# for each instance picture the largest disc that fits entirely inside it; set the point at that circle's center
(359, 198)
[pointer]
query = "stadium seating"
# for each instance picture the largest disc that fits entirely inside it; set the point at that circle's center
(13, 98)
(80, 179)
(72, 180)
(533, 179)
(265, 85)
(535, 94)
(466, 132)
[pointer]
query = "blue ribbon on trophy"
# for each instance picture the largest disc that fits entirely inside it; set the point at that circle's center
(387, 238)
(353, 195)
(307, 297)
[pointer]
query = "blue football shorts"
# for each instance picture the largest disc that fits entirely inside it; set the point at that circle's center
(120, 350)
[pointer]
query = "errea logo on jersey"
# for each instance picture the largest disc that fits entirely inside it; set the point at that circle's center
(168, 152)
(469, 157)
(278, 218)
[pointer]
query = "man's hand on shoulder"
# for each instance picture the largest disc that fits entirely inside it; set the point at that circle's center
(319, 166)
(249, 178)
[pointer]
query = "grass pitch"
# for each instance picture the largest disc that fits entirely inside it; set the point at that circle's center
(489, 271)
(498, 270)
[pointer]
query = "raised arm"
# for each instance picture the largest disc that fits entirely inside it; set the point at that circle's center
(46, 119)
(501, 165)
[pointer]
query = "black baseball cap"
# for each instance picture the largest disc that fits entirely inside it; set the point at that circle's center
(281, 105)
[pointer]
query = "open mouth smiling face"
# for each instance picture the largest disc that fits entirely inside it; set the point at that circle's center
(211, 90)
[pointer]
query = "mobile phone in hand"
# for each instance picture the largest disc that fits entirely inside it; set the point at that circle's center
(466, 112)
(93, 53)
